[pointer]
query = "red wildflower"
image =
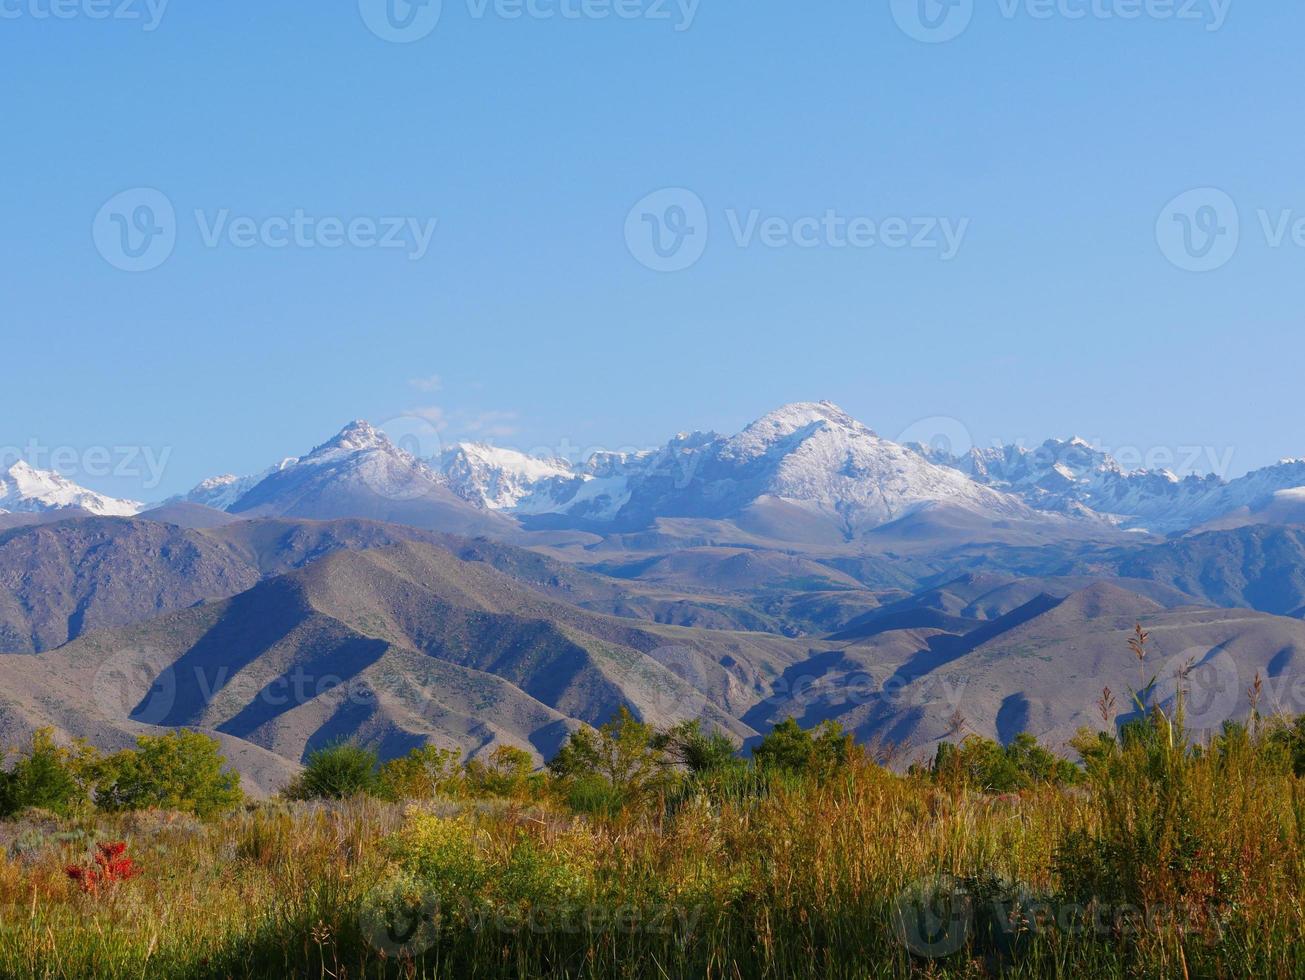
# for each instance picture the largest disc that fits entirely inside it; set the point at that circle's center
(111, 866)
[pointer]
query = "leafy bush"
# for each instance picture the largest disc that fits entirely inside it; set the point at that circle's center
(699, 753)
(507, 774)
(49, 777)
(625, 753)
(982, 764)
(337, 772)
(425, 772)
(793, 749)
(593, 795)
(181, 770)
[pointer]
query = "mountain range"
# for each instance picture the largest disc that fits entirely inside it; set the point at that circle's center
(805, 473)
(803, 567)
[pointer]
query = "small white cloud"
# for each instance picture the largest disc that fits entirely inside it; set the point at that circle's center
(475, 425)
(433, 414)
(432, 383)
(493, 424)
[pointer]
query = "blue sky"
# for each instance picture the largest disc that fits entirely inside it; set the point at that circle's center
(1049, 144)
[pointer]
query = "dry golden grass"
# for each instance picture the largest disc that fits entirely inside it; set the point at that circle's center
(1197, 872)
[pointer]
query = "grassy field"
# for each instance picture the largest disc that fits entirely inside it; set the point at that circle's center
(1163, 861)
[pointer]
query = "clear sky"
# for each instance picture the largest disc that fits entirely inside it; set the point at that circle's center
(1035, 284)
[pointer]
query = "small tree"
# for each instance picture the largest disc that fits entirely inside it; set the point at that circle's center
(985, 765)
(506, 774)
(623, 754)
(687, 745)
(182, 770)
(338, 771)
(50, 776)
(424, 772)
(791, 748)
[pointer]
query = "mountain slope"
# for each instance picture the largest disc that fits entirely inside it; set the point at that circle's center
(1072, 477)
(358, 473)
(806, 472)
(25, 489)
(1258, 567)
(395, 646)
(1041, 668)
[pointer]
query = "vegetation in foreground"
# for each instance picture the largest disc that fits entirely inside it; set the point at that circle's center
(644, 853)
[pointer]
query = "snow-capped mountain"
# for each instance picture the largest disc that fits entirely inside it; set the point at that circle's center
(357, 473)
(1072, 477)
(222, 492)
(806, 472)
(27, 490)
(810, 456)
(499, 479)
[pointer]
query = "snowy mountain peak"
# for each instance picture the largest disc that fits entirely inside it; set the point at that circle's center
(497, 478)
(25, 489)
(807, 468)
(790, 425)
(357, 436)
(222, 492)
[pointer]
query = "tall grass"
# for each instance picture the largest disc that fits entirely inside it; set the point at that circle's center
(1181, 864)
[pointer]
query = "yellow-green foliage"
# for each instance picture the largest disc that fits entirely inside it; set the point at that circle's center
(1164, 862)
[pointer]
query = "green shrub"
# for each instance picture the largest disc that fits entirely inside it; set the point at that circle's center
(507, 774)
(49, 777)
(424, 772)
(818, 752)
(593, 795)
(699, 753)
(982, 764)
(625, 753)
(336, 772)
(181, 770)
